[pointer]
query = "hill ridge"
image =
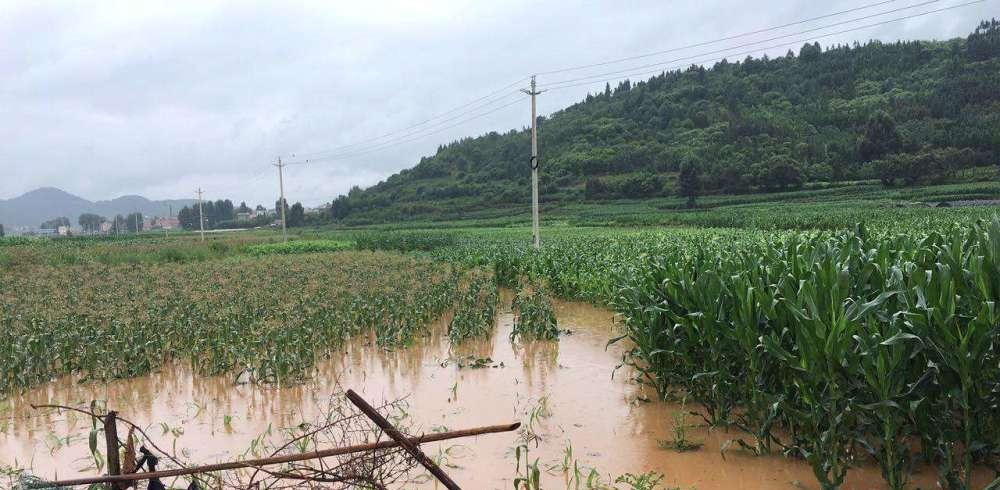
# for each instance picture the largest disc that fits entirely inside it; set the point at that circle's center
(33, 207)
(759, 124)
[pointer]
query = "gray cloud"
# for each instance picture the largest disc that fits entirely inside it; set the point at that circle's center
(111, 98)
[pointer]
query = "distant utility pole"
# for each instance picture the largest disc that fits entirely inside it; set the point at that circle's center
(535, 240)
(201, 218)
(281, 202)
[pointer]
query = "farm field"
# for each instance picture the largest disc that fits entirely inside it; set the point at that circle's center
(585, 409)
(844, 355)
(500, 245)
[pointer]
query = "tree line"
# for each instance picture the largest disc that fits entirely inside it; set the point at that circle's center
(221, 214)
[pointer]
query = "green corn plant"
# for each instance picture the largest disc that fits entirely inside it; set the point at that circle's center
(886, 396)
(702, 338)
(761, 401)
(534, 317)
(647, 326)
(530, 477)
(823, 317)
(954, 312)
(475, 313)
(680, 442)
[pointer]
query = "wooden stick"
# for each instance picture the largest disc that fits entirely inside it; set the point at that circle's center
(111, 439)
(250, 463)
(398, 436)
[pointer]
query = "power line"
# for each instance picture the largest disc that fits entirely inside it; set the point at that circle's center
(414, 136)
(222, 190)
(412, 131)
(761, 41)
(409, 140)
(485, 100)
(621, 73)
(405, 135)
(415, 132)
(714, 41)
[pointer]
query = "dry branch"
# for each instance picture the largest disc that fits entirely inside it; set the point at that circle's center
(253, 463)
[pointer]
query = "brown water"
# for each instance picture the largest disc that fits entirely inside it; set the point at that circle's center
(601, 417)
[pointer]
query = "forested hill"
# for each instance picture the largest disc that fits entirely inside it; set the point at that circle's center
(905, 112)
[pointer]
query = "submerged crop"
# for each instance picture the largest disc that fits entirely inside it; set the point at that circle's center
(263, 319)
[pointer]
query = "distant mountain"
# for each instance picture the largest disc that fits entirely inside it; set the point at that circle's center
(32, 208)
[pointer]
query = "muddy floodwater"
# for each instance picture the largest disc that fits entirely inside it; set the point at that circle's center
(602, 417)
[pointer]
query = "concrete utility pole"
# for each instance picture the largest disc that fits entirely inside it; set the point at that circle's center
(201, 218)
(535, 240)
(281, 202)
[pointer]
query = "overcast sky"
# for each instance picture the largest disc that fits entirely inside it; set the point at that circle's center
(107, 98)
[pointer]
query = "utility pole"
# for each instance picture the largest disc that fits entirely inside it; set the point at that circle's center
(535, 240)
(281, 201)
(201, 218)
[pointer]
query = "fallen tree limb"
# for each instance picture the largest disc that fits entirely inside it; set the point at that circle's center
(400, 438)
(251, 463)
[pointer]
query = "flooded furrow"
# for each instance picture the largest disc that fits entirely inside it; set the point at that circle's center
(599, 415)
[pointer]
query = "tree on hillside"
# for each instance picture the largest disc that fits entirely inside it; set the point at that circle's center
(340, 207)
(984, 42)
(779, 173)
(243, 207)
(810, 52)
(1, 230)
(689, 183)
(277, 208)
(187, 218)
(90, 222)
(208, 213)
(224, 211)
(595, 188)
(927, 166)
(55, 223)
(296, 215)
(118, 225)
(134, 223)
(880, 137)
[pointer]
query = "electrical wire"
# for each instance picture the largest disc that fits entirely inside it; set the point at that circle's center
(622, 73)
(761, 41)
(714, 41)
(465, 111)
(473, 105)
(406, 134)
(410, 140)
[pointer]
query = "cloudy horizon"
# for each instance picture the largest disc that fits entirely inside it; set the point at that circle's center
(107, 99)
